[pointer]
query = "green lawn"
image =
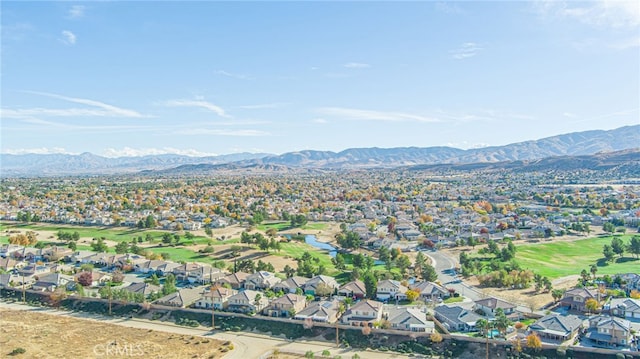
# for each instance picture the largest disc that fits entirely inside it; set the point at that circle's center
(296, 249)
(114, 234)
(280, 226)
(559, 259)
(315, 226)
(179, 254)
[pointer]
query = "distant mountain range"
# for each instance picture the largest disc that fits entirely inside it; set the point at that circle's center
(523, 153)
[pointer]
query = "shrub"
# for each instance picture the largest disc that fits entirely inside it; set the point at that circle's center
(17, 351)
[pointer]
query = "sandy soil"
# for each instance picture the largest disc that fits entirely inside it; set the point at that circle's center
(48, 336)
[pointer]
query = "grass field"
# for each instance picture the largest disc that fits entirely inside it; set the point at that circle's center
(559, 259)
(114, 234)
(283, 226)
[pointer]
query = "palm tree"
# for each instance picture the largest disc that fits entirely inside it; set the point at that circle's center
(594, 270)
(482, 325)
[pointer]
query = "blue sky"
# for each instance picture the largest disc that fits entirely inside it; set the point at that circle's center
(202, 78)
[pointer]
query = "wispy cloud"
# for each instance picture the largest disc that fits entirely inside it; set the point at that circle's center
(16, 32)
(448, 7)
(371, 115)
(356, 65)
(219, 132)
(264, 106)
(49, 125)
(76, 11)
(321, 121)
(137, 152)
(601, 13)
(466, 50)
(233, 75)
(97, 109)
(68, 38)
(39, 151)
(198, 103)
(626, 44)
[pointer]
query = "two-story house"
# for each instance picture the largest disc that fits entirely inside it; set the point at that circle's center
(197, 273)
(261, 280)
(576, 298)
(218, 298)
(311, 286)
(609, 331)
(627, 308)
(390, 289)
(247, 301)
(364, 313)
(286, 306)
(354, 289)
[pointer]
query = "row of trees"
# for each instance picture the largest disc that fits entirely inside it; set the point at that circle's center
(618, 247)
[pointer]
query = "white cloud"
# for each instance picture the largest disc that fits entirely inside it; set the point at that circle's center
(448, 7)
(137, 152)
(198, 103)
(626, 44)
(356, 65)
(39, 151)
(44, 125)
(68, 37)
(218, 132)
(233, 75)
(99, 109)
(369, 115)
(466, 50)
(76, 11)
(601, 13)
(319, 120)
(263, 106)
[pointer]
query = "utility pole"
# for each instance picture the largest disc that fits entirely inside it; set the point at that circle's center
(24, 294)
(109, 284)
(213, 309)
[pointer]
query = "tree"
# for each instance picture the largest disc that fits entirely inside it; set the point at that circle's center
(501, 322)
(169, 285)
(122, 247)
(85, 279)
(403, 262)
(208, 231)
(412, 295)
(591, 305)
(98, 245)
(429, 273)
(617, 246)
(370, 284)
(150, 222)
(557, 294)
(339, 262)
(585, 275)
(634, 246)
(117, 276)
(435, 337)
(608, 252)
(324, 290)
(383, 254)
(534, 342)
(593, 270)
(483, 325)
(609, 227)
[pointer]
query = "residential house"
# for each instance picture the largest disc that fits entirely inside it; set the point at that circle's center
(390, 289)
(457, 318)
(290, 285)
(490, 305)
(430, 291)
(556, 328)
(628, 308)
(50, 281)
(219, 298)
(149, 266)
(7, 250)
(6, 280)
(146, 289)
(607, 331)
(247, 301)
(576, 298)
(311, 286)
(261, 280)
(81, 257)
(233, 280)
(363, 313)
(410, 319)
(97, 278)
(286, 306)
(322, 311)
(354, 289)
(183, 298)
(197, 273)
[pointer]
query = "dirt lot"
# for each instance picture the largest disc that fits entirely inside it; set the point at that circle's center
(48, 336)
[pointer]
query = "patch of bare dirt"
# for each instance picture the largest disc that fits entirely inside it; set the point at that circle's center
(52, 336)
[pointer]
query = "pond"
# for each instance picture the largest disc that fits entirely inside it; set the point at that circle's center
(312, 240)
